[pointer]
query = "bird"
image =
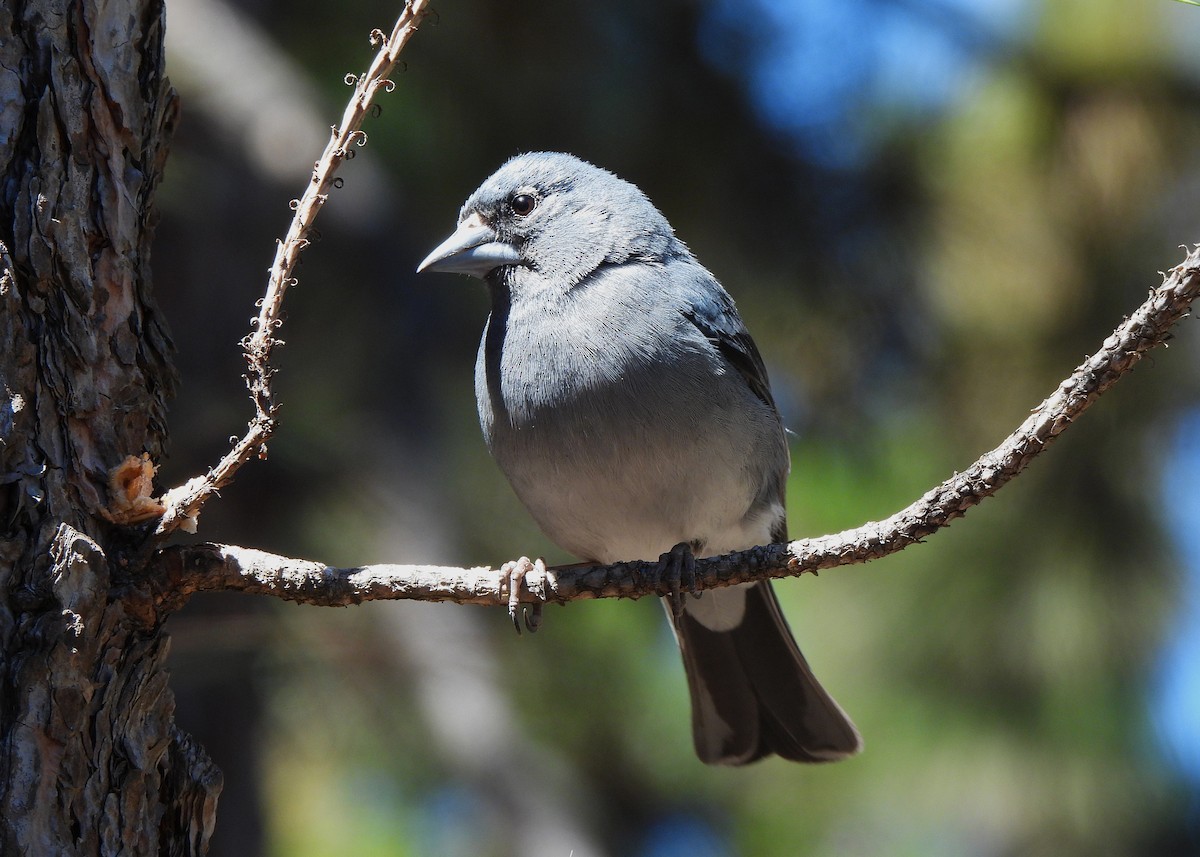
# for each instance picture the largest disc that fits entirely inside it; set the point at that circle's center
(622, 396)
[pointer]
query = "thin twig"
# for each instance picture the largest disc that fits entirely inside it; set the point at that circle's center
(186, 569)
(183, 503)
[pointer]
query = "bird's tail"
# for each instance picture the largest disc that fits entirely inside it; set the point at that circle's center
(752, 691)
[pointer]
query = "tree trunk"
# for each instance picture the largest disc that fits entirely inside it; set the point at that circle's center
(90, 760)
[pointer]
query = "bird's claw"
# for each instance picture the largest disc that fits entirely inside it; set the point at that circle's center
(515, 572)
(678, 567)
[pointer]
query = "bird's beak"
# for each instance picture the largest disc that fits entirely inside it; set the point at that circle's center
(472, 249)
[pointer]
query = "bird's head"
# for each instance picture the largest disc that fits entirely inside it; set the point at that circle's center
(555, 216)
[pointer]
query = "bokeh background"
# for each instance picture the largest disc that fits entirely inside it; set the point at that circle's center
(928, 211)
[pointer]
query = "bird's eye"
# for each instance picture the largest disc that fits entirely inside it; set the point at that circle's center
(522, 204)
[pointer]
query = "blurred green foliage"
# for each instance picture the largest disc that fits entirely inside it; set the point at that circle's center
(911, 310)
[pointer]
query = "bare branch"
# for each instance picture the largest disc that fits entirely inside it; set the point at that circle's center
(183, 502)
(187, 569)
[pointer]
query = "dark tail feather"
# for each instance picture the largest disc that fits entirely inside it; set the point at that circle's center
(752, 692)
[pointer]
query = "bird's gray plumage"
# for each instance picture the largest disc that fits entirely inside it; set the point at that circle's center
(622, 396)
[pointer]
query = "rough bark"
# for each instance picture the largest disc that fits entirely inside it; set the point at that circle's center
(90, 761)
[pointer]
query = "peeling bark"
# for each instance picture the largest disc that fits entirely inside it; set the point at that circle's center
(90, 760)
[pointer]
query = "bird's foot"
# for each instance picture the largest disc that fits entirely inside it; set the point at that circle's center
(678, 567)
(514, 573)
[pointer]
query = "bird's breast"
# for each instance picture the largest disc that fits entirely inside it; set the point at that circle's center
(622, 445)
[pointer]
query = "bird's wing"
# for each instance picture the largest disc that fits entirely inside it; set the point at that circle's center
(711, 311)
(714, 315)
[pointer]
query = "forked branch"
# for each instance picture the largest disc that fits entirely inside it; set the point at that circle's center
(188, 569)
(183, 503)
